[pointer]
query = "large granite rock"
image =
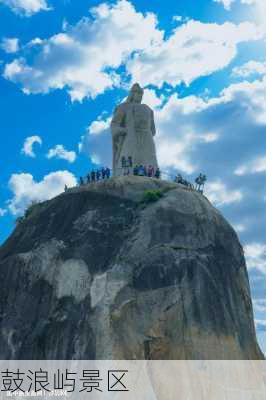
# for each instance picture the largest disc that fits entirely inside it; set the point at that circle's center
(96, 273)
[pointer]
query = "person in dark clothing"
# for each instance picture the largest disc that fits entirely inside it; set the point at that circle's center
(65, 189)
(150, 171)
(179, 179)
(129, 162)
(136, 170)
(93, 176)
(103, 173)
(157, 173)
(88, 178)
(81, 181)
(200, 181)
(107, 172)
(98, 175)
(141, 170)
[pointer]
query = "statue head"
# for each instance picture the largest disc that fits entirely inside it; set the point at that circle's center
(136, 94)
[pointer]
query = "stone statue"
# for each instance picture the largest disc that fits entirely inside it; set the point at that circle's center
(132, 129)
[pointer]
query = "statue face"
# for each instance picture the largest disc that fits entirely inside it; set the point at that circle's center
(137, 96)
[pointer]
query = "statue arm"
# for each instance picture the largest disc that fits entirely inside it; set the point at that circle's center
(118, 127)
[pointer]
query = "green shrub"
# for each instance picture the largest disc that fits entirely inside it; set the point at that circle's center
(150, 196)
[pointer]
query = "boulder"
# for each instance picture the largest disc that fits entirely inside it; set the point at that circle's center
(127, 268)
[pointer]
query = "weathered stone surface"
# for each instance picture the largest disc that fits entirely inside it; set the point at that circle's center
(96, 274)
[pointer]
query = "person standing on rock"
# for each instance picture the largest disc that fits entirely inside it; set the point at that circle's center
(107, 172)
(133, 129)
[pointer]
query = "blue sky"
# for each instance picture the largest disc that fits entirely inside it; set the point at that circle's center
(65, 64)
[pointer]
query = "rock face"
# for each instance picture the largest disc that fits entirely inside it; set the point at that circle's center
(96, 273)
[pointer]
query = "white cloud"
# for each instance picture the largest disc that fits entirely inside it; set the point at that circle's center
(2, 212)
(28, 145)
(194, 49)
(260, 4)
(26, 7)
(96, 159)
(259, 305)
(99, 126)
(226, 3)
(250, 68)
(186, 124)
(209, 137)
(177, 18)
(250, 2)
(79, 57)
(250, 94)
(35, 42)
(151, 99)
(260, 325)
(10, 45)
(74, 59)
(178, 135)
(173, 151)
(96, 142)
(60, 152)
(219, 194)
(240, 228)
(255, 166)
(26, 190)
(256, 256)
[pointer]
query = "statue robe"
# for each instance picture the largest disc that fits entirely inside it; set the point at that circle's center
(138, 121)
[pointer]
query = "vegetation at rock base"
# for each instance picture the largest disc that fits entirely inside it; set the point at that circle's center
(150, 196)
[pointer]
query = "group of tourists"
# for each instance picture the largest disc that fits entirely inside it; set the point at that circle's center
(141, 170)
(138, 170)
(95, 176)
(200, 181)
(150, 171)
